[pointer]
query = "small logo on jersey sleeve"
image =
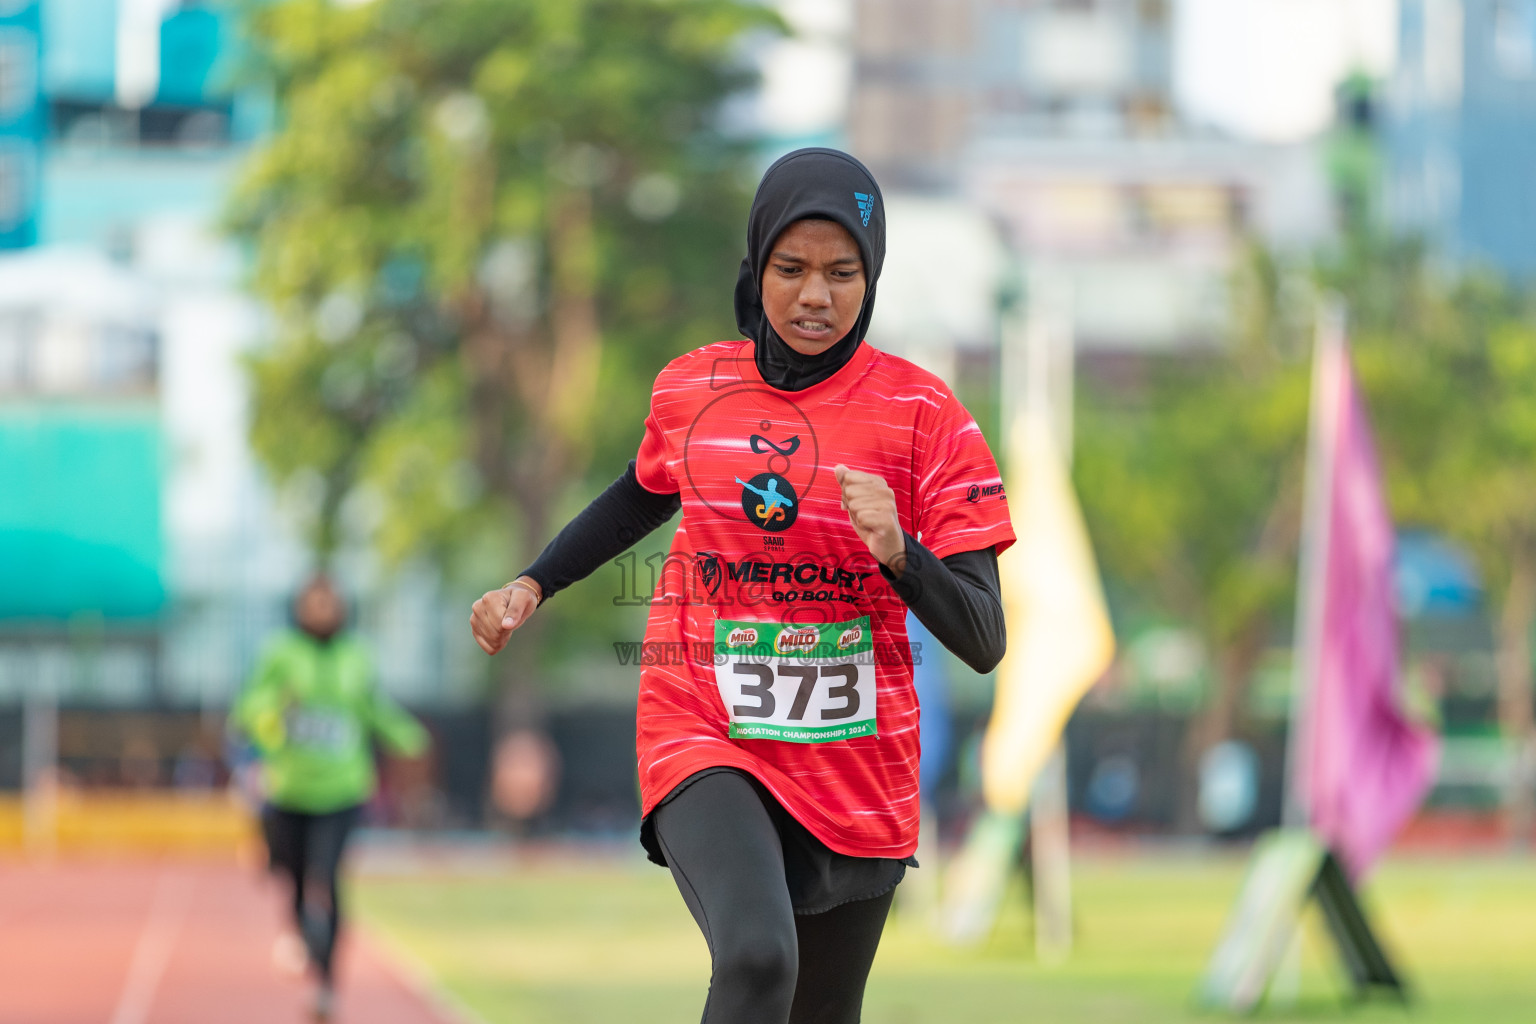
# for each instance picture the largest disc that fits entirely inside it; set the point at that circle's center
(976, 493)
(866, 206)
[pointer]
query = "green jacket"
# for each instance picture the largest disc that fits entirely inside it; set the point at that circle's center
(312, 709)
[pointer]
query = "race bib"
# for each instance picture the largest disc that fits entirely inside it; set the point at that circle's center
(322, 730)
(797, 684)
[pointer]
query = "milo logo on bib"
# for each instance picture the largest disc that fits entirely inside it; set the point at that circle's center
(813, 684)
(801, 640)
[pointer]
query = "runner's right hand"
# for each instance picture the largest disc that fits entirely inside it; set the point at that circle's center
(498, 613)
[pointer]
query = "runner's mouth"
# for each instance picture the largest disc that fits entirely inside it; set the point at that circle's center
(812, 328)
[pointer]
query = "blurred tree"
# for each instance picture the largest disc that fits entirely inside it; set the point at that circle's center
(1448, 363)
(481, 226)
(1193, 496)
(1195, 500)
(1353, 154)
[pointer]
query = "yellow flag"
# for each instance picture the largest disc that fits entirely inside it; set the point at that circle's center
(1059, 637)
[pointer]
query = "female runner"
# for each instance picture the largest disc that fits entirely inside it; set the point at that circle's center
(313, 708)
(826, 487)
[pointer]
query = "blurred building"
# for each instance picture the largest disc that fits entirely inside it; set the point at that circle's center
(932, 76)
(1056, 119)
(147, 116)
(146, 558)
(802, 98)
(1461, 129)
(22, 121)
(931, 311)
(1140, 234)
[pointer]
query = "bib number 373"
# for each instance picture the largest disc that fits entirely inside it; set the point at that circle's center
(797, 684)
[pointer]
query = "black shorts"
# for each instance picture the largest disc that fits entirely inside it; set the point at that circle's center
(819, 877)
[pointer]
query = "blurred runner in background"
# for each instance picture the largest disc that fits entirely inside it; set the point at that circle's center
(311, 709)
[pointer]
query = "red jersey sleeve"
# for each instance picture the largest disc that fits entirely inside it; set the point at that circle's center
(651, 464)
(962, 505)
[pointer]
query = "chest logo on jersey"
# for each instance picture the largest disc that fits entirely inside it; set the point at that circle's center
(761, 446)
(769, 501)
(751, 582)
(752, 454)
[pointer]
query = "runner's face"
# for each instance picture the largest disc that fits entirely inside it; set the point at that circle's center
(320, 609)
(813, 287)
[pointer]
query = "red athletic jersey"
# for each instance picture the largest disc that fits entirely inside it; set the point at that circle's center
(774, 644)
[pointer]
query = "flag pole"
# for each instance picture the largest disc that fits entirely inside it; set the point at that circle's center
(1318, 498)
(1050, 361)
(39, 758)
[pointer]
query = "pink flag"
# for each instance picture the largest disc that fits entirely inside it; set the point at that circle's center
(1363, 766)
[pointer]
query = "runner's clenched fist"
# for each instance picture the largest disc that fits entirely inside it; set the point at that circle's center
(871, 507)
(499, 612)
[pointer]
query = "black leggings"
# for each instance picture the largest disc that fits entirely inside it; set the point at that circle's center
(769, 965)
(307, 848)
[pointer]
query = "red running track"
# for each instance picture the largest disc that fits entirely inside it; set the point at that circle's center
(172, 942)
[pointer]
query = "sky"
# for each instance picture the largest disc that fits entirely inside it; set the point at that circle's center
(1262, 69)
(1266, 68)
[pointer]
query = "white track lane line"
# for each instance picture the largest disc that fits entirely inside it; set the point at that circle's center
(166, 913)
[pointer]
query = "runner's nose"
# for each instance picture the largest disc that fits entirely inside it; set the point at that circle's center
(815, 292)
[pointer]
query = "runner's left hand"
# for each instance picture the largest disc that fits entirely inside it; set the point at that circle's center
(871, 507)
(499, 612)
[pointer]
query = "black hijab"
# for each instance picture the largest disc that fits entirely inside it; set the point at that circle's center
(821, 184)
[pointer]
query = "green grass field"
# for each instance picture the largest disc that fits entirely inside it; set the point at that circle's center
(594, 942)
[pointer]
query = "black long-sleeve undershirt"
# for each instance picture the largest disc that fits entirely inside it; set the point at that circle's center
(604, 530)
(958, 597)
